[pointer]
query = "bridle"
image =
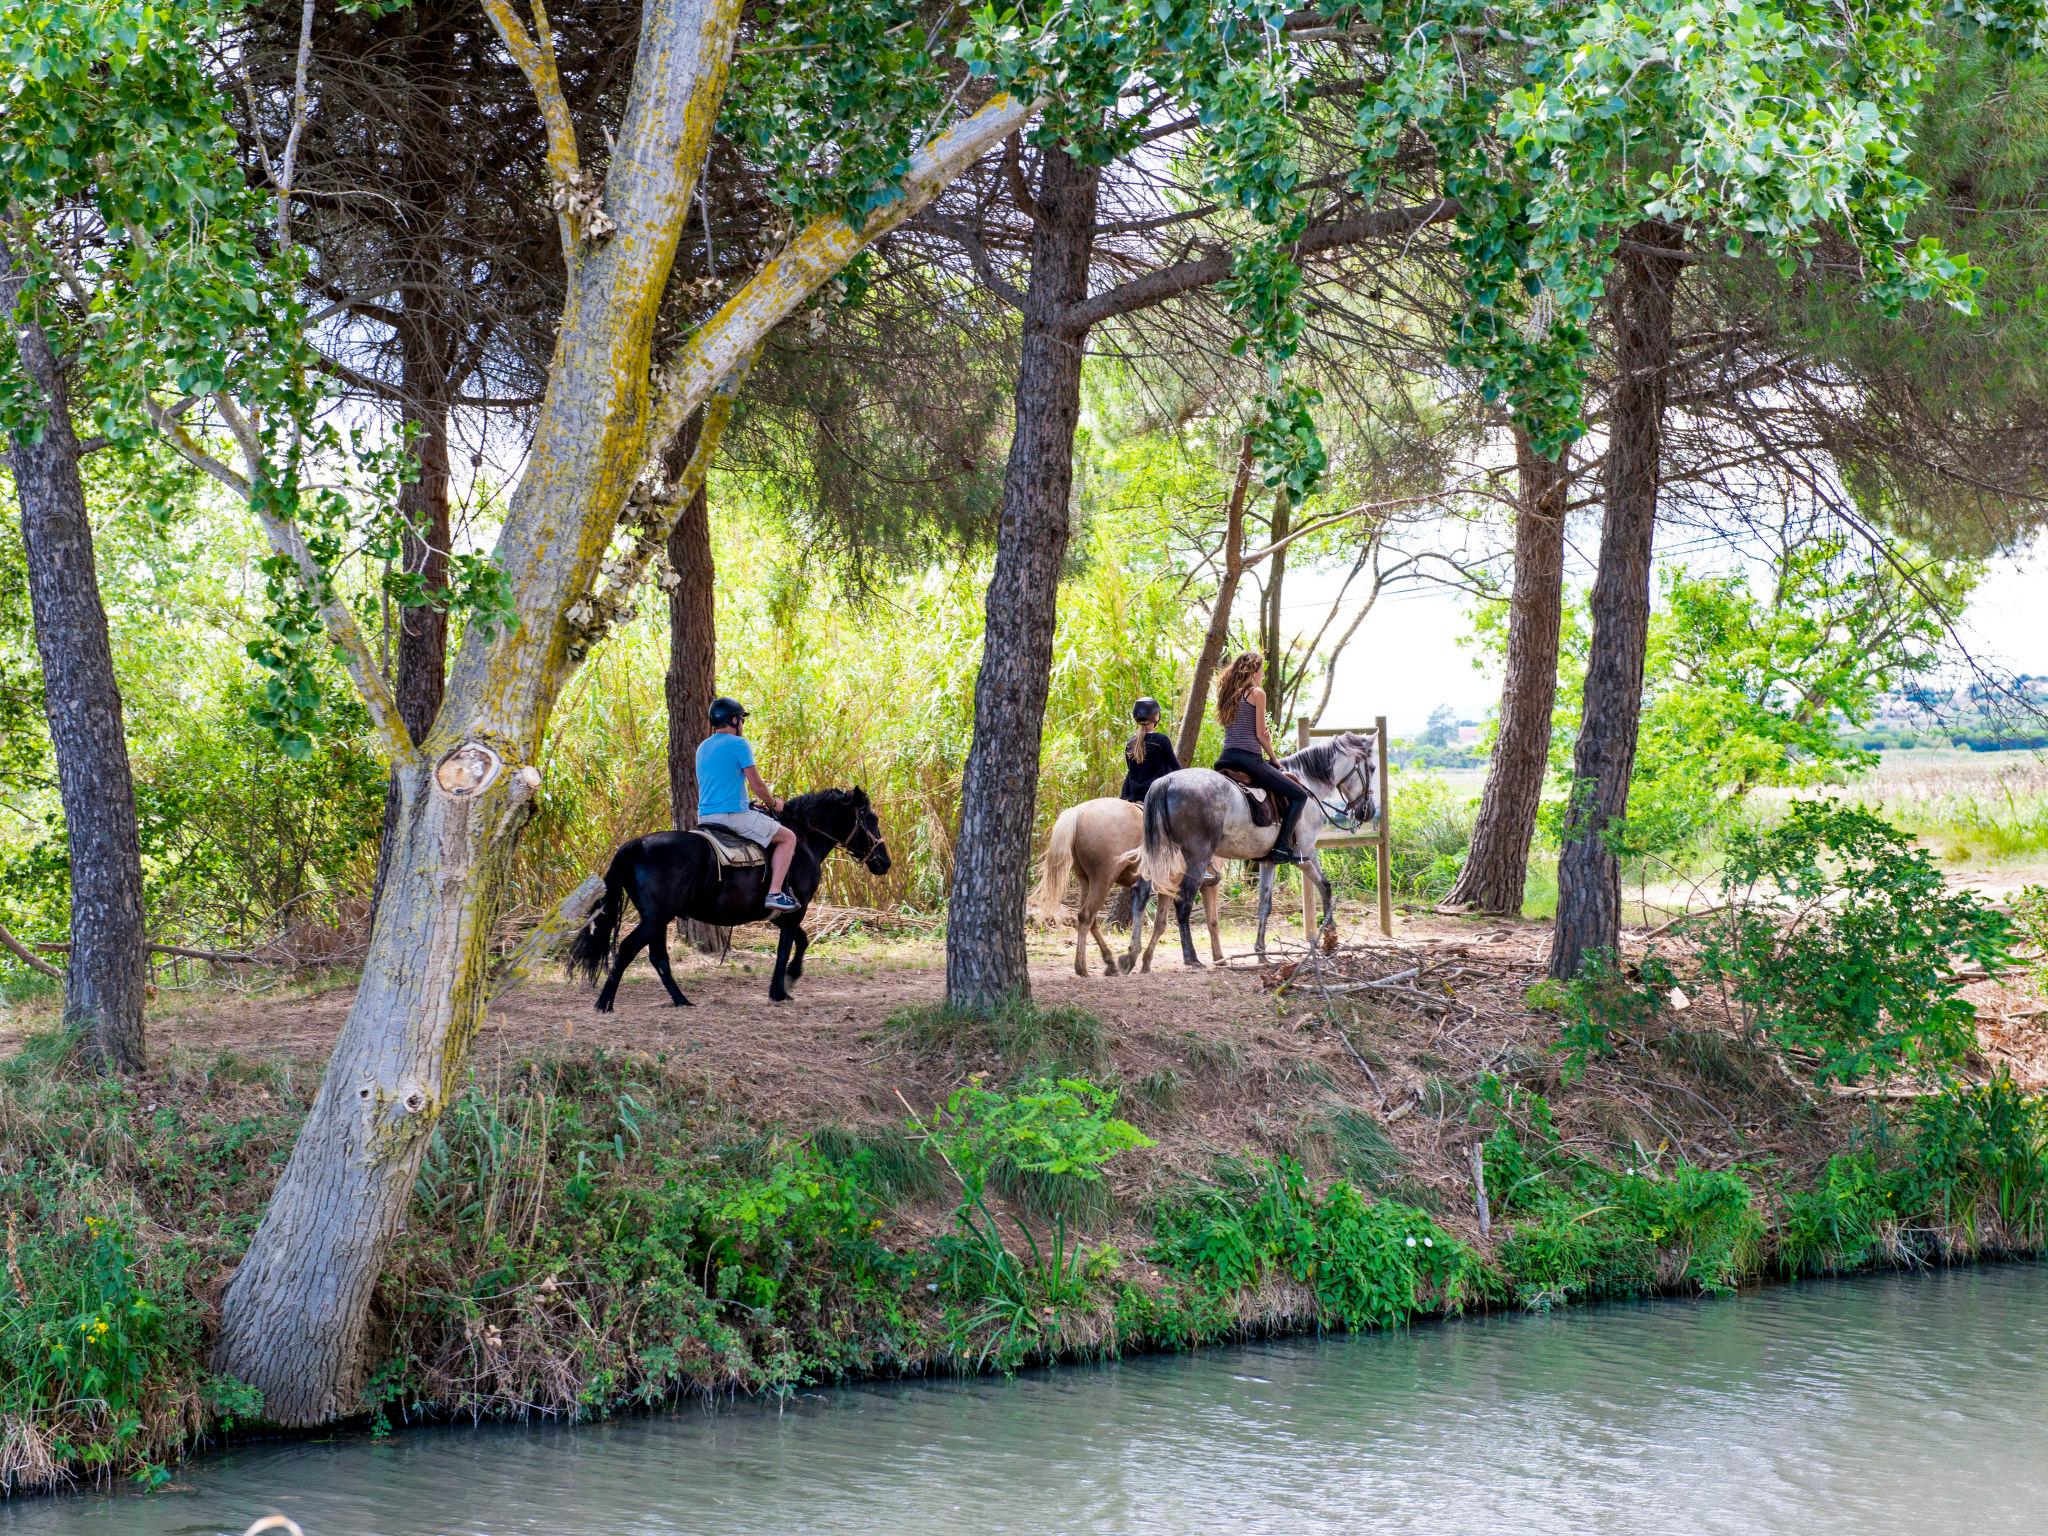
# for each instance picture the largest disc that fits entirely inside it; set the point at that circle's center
(1347, 817)
(876, 844)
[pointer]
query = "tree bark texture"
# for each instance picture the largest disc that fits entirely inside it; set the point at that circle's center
(1218, 633)
(105, 977)
(985, 957)
(1644, 286)
(422, 668)
(1497, 865)
(692, 677)
(1279, 683)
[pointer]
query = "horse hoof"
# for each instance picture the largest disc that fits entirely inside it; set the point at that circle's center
(682, 1002)
(602, 1006)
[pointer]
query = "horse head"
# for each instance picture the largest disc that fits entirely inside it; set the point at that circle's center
(1351, 773)
(845, 818)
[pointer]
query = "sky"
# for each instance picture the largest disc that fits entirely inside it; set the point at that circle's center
(1406, 660)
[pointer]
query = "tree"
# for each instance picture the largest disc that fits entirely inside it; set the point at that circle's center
(108, 964)
(293, 1318)
(1496, 867)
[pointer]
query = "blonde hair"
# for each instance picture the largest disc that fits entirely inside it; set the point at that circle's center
(1236, 683)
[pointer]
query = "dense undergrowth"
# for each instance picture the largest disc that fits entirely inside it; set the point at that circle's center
(594, 1233)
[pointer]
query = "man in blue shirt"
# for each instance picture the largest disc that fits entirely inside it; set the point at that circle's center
(725, 772)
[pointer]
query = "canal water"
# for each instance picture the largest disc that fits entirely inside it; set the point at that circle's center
(1899, 1404)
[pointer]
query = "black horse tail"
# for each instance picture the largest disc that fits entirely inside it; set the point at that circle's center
(1163, 862)
(590, 956)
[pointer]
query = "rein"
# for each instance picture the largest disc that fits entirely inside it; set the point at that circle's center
(1342, 816)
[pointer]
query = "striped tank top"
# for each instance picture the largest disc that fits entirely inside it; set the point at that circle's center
(1242, 732)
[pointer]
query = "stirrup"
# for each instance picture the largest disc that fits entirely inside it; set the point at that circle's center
(1284, 856)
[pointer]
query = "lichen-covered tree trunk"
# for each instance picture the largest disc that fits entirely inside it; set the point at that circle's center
(1497, 865)
(985, 956)
(1641, 295)
(105, 976)
(294, 1317)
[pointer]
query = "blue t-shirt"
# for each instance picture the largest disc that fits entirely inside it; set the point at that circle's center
(722, 764)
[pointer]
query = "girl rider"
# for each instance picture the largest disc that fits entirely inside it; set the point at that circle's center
(1148, 755)
(1248, 746)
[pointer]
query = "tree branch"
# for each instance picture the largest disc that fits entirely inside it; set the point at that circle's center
(821, 250)
(1165, 283)
(965, 236)
(28, 957)
(534, 53)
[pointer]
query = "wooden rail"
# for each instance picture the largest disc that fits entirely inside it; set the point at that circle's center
(1378, 839)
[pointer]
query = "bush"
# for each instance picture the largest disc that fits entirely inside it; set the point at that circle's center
(1840, 940)
(1370, 1263)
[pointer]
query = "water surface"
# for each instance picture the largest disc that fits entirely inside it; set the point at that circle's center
(1902, 1404)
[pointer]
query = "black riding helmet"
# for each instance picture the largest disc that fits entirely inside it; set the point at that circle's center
(1145, 711)
(727, 712)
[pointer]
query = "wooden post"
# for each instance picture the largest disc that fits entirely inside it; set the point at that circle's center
(1386, 849)
(1308, 886)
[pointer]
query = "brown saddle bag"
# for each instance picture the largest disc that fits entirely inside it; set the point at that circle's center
(1264, 812)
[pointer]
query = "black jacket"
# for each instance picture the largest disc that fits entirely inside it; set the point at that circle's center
(1159, 762)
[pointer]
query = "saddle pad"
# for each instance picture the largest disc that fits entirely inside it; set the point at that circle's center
(1257, 801)
(731, 850)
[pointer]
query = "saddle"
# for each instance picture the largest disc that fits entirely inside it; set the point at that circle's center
(730, 850)
(1264, 813)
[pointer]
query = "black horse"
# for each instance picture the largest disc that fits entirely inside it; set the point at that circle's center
(673, 874)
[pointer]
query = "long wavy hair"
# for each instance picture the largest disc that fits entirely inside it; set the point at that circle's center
(1239, 678)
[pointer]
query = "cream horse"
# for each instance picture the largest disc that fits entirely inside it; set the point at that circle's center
(1099, 840)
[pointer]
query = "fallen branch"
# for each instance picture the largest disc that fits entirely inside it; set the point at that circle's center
(548, 936)
(218, 956)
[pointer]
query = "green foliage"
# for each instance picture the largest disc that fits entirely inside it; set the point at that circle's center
(1982, 1150)
(1058, 1132)
(1581, 1230)
(1369, 1263)
(1602, 1000)
(1840, 940)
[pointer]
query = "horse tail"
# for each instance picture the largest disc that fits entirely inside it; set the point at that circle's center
(590, 956)
(1163, 861)
(1057, 864)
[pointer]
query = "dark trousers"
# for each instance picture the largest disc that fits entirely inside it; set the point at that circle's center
(1290, 796)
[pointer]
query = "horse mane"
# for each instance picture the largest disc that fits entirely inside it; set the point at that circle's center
(802, 811)
(1321, 759)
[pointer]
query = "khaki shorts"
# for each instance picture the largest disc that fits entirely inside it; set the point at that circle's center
(754, 826)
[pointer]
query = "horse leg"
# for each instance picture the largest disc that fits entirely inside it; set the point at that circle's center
(1095, 899)
(1084, 919)
(657, 951)
(1141, 893)
(1314, 865)
(798, 950)
(644, 933)
(1158, 927)
(778, 990)
(1212, 903)
(1265, 905)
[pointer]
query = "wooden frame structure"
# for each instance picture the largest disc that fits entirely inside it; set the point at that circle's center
(1378, 838)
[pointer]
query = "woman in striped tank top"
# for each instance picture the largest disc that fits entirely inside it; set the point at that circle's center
(1248, 745)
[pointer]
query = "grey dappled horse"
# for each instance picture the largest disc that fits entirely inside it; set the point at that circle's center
(1196, 816)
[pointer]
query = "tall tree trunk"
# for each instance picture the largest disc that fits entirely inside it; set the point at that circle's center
(1497, 866)
(692, 641)
(423, 551)
(1218, 634)
(1279, 685)
(105, 976)
(692, 677)
(1645, 283)
(985, 958)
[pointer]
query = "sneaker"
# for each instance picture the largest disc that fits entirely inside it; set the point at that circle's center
(779, 901)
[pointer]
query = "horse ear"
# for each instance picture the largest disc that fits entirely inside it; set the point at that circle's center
(860, 796)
